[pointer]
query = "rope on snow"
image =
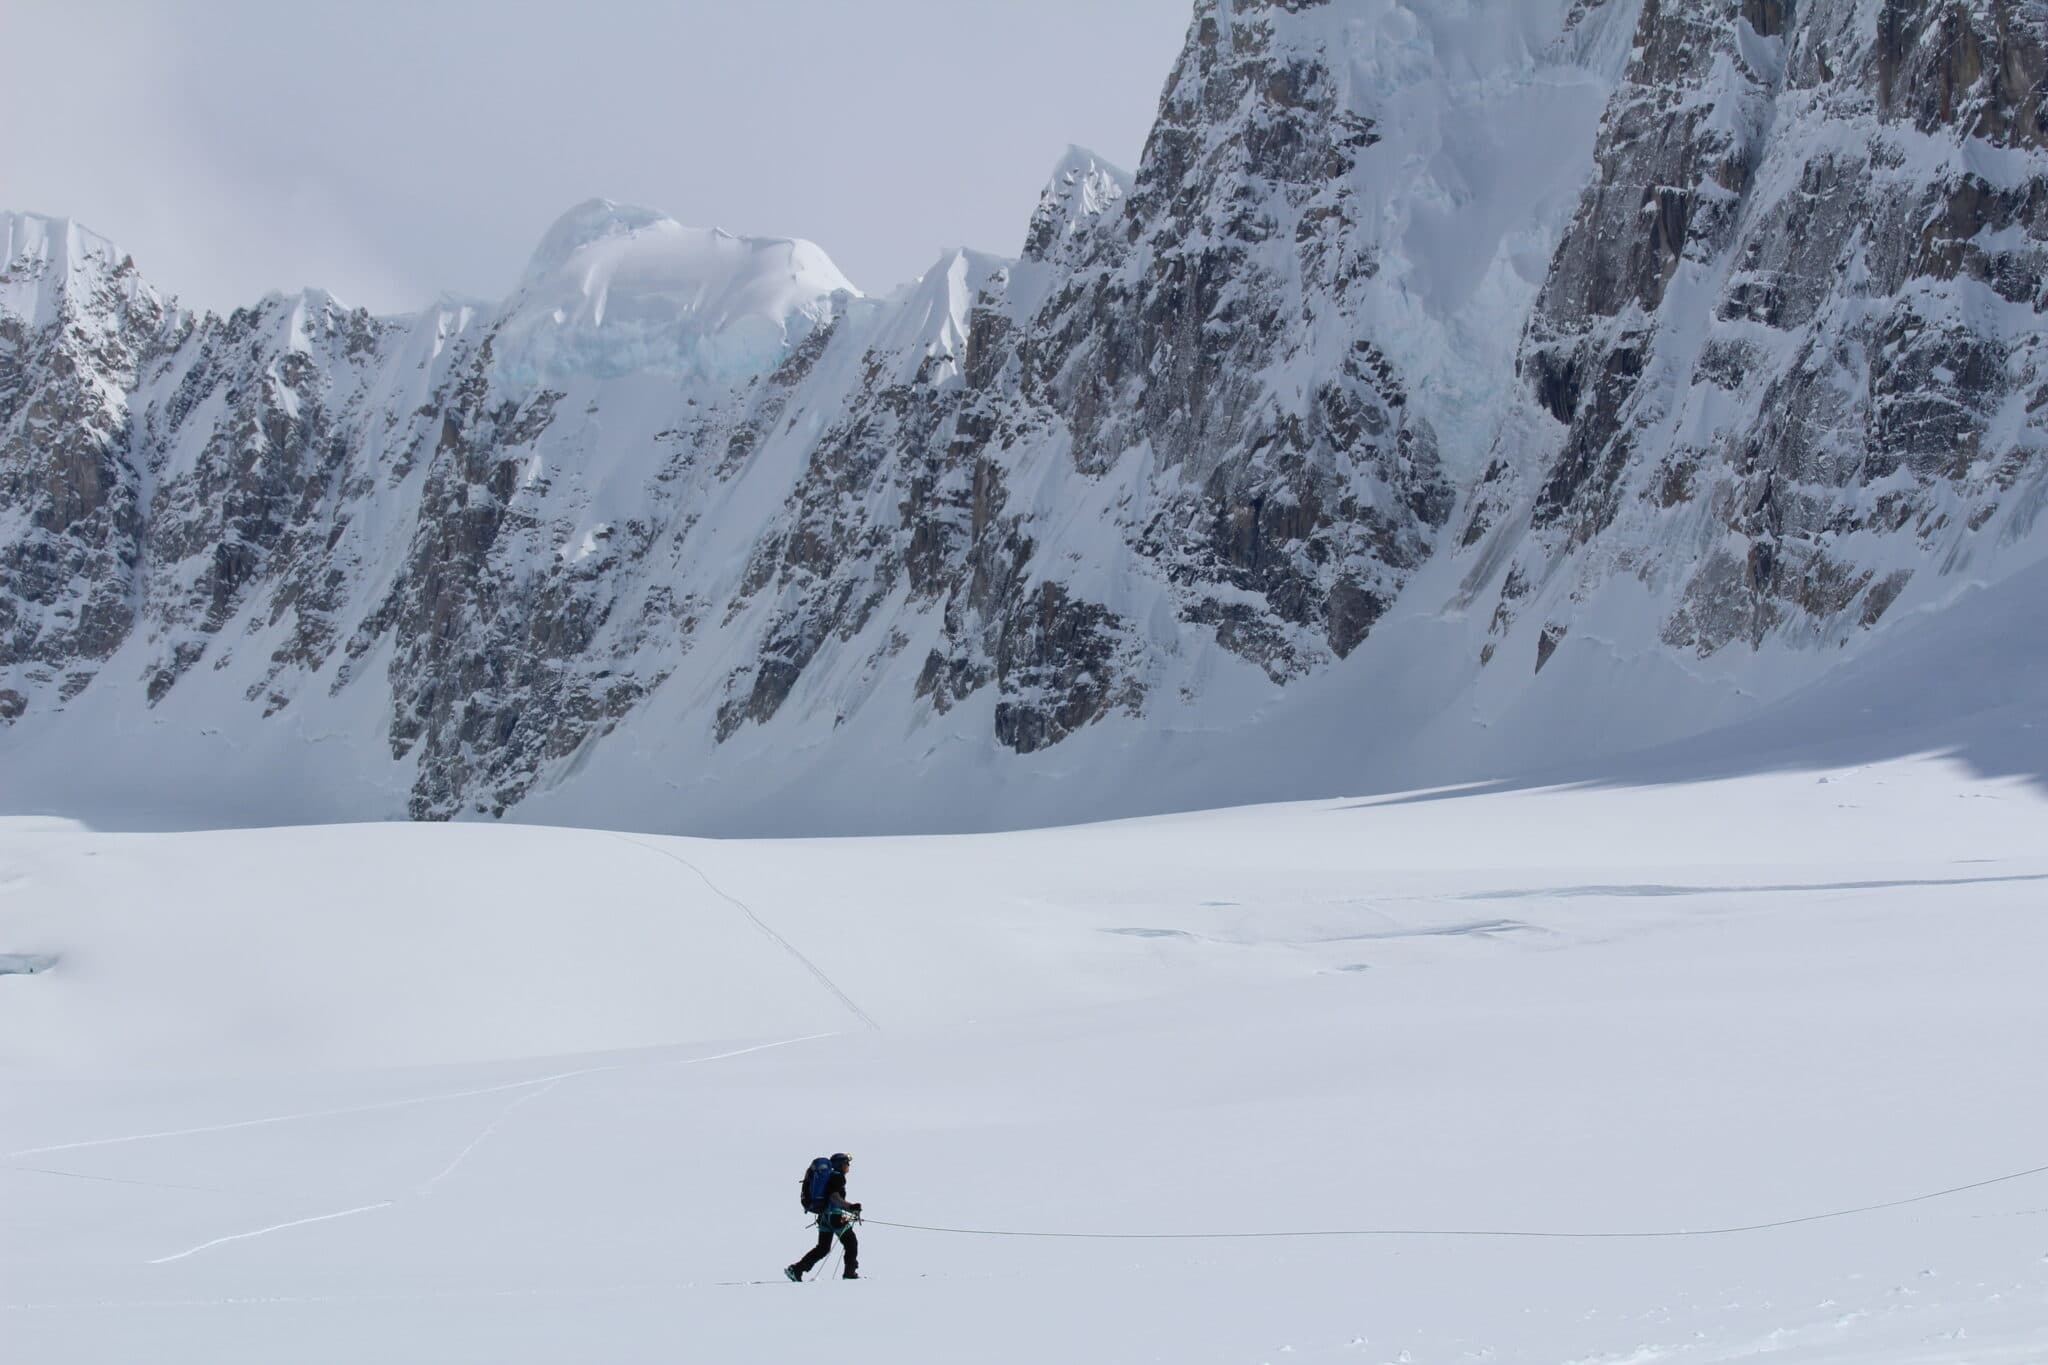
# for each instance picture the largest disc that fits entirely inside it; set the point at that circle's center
(1472, 1232)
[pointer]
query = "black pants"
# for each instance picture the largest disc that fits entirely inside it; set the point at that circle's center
(828, 1225)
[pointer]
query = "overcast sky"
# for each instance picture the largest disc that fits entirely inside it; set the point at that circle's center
(391, 151)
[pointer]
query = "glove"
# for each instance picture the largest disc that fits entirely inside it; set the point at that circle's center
(854, 1207)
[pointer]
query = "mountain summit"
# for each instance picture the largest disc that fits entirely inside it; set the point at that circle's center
(1441, 396)
(614, 289)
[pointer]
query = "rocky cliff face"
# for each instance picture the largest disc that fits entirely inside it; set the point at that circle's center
(76, 327)
(1788, 355)
(1677, 332)
(1291, 485)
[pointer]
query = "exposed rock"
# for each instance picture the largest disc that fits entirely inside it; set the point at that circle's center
(1766, 332)
(1759, 348)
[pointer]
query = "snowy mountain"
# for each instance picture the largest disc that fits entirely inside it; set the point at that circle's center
(1444, 394)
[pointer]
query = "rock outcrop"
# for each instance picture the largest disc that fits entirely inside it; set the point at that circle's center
(1789, 353)
(1692, 334)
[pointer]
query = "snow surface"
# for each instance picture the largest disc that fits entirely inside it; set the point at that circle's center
(504, 1093)
(614, 290)
(41, 258)
(1954, 668)
(1484, 126)
(645, 335)
(48, 263)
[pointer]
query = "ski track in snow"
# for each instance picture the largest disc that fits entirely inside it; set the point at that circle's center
(425, 1188)
(534, 1090)
(573, 1291)
(813, 968)
(1762, 1065)
(495, 1124)
(549, 1081)
(274, 1227)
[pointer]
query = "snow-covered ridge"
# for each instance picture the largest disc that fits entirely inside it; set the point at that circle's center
(45, 260)
(1082, 190)
(615, 289)
(35, 239)
(1445, 394)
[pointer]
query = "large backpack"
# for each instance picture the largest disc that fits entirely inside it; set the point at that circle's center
(812, 1191)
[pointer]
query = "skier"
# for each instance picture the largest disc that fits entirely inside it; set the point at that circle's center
(826, 1197)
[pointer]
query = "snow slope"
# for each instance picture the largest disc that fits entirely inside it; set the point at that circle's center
(1453, 391)
(613, 289)
(46, 261)
(504, 1093)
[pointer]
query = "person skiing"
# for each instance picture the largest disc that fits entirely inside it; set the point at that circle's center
(836, 1217)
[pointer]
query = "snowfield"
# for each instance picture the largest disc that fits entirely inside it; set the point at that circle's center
(502, 1093)
(1605, 441)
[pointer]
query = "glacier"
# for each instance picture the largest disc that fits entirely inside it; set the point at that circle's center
(1439, 400)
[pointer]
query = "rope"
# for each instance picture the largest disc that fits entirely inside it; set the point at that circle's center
(1470, 1232)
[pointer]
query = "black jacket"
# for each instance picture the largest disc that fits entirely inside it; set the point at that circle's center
(835, 1194)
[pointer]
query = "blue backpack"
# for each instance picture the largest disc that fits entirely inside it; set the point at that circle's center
(812, 1190)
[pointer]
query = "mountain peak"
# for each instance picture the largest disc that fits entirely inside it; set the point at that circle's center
(615, 288)
(1082, 191)
(590, 222)
(45, 260)
(38, 236)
